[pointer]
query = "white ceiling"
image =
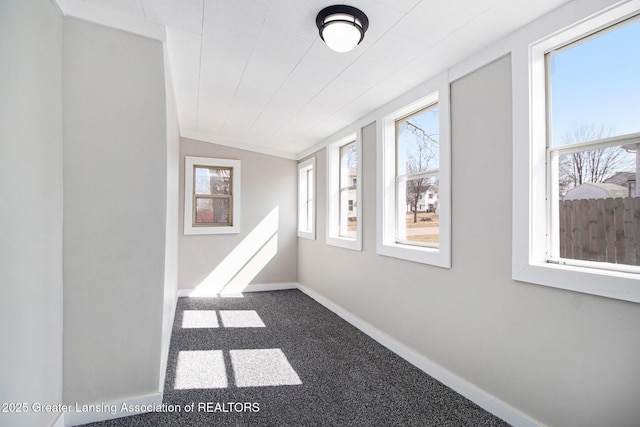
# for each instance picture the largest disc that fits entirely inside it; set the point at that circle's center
(254, 73)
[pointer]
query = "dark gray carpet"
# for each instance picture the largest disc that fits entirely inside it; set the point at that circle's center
(347, 378)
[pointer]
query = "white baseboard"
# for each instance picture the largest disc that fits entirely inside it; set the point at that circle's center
(103, 411)
(480, 397)
(256, 287)
(262, 287)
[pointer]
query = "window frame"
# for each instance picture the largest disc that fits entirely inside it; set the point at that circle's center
(191, 162)
(228, 197)
(531, 181)
(334, 190)
(438, 92)
(308, 190)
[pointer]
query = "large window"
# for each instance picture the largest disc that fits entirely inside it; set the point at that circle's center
(306, 199)
(344, 219)
(212, 195)
(593, 138)
(414, 184)
(581, 230)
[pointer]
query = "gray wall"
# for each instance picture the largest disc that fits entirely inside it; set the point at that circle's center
(172, 233)
(267, 182)
(563, 358)
(115, 189)
(30, 208)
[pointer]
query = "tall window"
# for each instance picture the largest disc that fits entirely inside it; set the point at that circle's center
(212, 195)
(593, 140)
(344, 221)
(306, 199)
(348, 190)
(576, 214)
(415, 200)
(417, 171)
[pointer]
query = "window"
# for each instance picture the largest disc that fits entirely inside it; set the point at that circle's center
(417, 171)
(344, 220)
(306, 199)
(575, 205)
(212, 196)
(591, 161)
(414, 181)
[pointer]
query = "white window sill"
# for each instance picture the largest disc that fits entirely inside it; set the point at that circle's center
(190, 230)
(345, 242)
(611, 284)
(311, 235)
(423, 255)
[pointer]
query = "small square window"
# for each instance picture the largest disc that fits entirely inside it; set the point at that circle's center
(212, 199)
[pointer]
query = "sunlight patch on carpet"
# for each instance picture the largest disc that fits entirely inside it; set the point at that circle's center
(200, 370)
(241, 319)
(199, 319)
(264, 367)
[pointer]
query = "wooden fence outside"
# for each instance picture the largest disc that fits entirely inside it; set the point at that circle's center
(601, 230)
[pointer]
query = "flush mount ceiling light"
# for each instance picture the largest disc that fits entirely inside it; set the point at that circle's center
(342, 27)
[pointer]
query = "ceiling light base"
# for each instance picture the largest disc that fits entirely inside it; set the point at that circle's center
(342, 27)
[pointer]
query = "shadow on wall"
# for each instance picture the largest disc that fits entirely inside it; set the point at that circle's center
(244, 263)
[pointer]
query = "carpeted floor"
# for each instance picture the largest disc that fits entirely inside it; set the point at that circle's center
(281, 359)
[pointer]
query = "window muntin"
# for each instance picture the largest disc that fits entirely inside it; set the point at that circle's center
(592, 149)
(306, 199)
(417, 170)
(211, 195)
(348, 214)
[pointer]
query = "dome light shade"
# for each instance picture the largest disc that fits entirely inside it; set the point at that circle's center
(342, 27)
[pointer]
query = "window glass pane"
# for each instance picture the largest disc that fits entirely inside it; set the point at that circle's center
(309, 197)
(212, 210)
(595, 86)
(348, 216)
(418, 214)
(305, 199)
(417, 141)
(212, 181)
(348, 165)
(598, 209)
(348, 213)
